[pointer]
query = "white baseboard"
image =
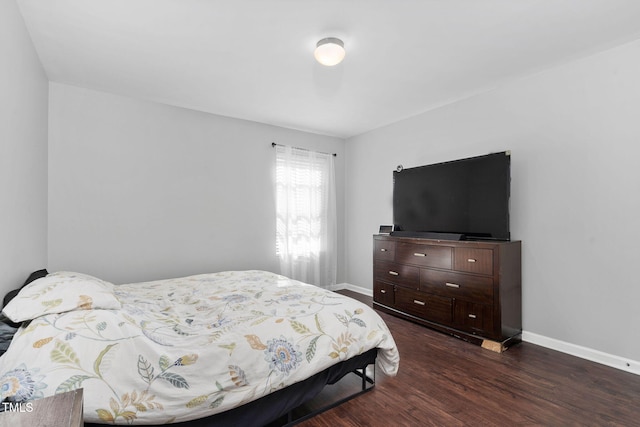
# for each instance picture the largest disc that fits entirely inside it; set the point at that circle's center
(628, 365)
(354, 288)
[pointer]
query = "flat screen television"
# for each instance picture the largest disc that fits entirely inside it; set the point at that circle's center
(468, 198)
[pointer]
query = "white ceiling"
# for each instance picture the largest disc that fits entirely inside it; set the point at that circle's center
(253, 59)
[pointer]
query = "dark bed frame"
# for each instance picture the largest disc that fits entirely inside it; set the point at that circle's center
(281, 408)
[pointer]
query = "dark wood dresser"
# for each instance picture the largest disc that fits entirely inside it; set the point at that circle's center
(469, 289)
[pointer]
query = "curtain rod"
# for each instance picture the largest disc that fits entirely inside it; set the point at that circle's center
(273, 144)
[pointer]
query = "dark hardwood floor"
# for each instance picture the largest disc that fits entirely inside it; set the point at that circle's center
(444, 381)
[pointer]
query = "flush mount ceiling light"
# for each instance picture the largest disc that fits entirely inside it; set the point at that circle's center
(329, 51)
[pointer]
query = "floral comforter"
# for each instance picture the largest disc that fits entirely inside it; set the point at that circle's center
(175, 350)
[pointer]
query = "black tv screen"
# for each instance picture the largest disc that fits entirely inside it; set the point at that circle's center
(468, 196)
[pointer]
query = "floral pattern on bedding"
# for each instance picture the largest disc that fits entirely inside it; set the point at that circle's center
(186, 348)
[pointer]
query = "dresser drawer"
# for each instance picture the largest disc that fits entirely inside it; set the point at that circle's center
(426, 306)
(473, 260)
(399, 274)
(383, 293)
(384, 250)
(474, 318)
(457, 285)
(424, 255)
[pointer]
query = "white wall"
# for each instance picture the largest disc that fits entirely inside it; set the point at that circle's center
(140, 190)
(574, 133)
(23, 152)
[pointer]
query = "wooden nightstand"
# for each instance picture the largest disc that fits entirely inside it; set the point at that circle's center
(61, 410)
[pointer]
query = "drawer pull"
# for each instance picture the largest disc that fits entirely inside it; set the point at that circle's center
(415, 301)
(472, 316)
(471, 260)
(393, 273)
(452, 285)
(419, 254)
(383, 250)
(382, 291)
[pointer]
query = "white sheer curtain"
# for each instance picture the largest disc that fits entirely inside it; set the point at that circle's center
(306, 215)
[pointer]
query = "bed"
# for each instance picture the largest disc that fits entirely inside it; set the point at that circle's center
(228, 346)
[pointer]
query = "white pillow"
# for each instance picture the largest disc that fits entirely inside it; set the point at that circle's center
(60, 292)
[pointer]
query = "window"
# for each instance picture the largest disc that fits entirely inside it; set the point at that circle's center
(306, 215)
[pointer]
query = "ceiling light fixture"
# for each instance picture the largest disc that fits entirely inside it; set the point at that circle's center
(329, 51)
